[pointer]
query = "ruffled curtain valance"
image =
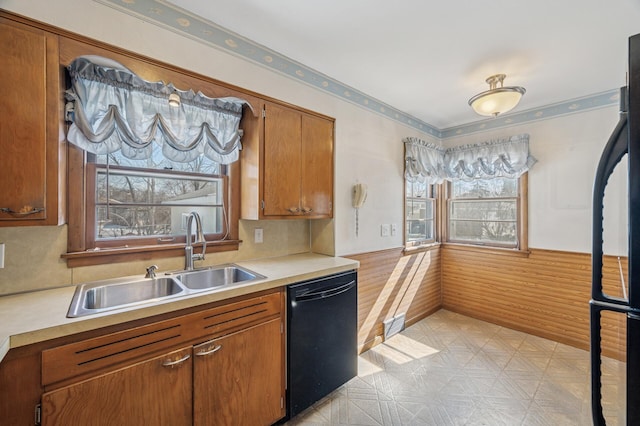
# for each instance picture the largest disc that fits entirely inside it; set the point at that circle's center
(424, 161)
(112, 109)
(508, 157)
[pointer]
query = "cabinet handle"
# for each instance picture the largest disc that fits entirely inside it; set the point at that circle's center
(215, 349)
(307, 209)
(293, 209)
(25, 211)
(169, 363)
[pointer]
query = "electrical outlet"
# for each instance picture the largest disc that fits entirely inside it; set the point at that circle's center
(394, 229)
(385, 230)
(258, 236)
(1, 255)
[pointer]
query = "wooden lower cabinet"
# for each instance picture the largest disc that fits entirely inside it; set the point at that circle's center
(162, 374)
(154, 392)
(238, 378)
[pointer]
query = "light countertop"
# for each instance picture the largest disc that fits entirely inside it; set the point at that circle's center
(42, 315)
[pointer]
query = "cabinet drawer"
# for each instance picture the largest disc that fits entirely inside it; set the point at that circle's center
(89, 355)
(231, 317)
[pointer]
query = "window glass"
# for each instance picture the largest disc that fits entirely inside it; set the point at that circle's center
(420, 213)
(484, 211)
(153, 197)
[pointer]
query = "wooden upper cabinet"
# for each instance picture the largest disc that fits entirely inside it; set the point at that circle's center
(282, 161)
(291, 164)
(32, 155)
(316, 197)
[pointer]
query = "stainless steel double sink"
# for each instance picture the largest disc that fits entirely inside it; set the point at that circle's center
(101, 296)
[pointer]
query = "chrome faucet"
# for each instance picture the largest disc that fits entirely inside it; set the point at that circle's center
(151, 271)
(189, 257)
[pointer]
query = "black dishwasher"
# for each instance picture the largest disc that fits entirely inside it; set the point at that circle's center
(322, 349)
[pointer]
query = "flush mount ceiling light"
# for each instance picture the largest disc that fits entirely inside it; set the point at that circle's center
(174, 100)
(496, 100)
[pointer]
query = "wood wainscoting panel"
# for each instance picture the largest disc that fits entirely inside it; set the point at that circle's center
(546, 293)
(390, 283)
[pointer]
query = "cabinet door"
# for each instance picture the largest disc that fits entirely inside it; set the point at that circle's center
(154, 392)
(317, 166)
(239, 379)
(282, 130)
(29, 136)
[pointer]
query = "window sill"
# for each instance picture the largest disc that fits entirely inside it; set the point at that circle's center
(420, 248)
(487, 249)
(127, 254)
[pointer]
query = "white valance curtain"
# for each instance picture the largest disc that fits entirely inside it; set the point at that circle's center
(424, 161)
(112, 109)
(429, 163)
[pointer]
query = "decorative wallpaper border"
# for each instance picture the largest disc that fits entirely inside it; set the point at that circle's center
(173, 18)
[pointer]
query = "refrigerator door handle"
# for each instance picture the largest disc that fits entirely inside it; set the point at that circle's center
(615, 149)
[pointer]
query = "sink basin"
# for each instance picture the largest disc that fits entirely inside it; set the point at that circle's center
(100, 296)
(218, 276)
(115, 294)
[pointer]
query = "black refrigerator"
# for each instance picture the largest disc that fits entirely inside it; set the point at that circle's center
(625, 140)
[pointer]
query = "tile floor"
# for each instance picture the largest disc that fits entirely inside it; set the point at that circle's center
(449, 369)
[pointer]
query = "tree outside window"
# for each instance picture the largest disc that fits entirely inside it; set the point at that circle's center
(152, 197)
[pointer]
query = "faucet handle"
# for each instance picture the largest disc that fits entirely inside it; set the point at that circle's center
(151, 271)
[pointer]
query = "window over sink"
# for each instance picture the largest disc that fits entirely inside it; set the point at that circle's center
(142, 156)
(151, 199)
(122, 206)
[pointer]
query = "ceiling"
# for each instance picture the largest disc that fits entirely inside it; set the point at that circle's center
(428, 58)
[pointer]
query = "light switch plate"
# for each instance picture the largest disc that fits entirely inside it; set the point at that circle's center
(394, 229)
(385, 230)
(258, 236)
(1, 255)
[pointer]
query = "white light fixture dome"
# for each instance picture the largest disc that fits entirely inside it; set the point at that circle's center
(496, 100)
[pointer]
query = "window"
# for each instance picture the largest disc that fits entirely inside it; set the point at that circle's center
(148, 201)
(487, 212)
(138, 163)
(120, 207)
(420, 213)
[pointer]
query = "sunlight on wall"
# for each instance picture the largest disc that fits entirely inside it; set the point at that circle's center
(369, 324)
(411, 284)
(397, 294)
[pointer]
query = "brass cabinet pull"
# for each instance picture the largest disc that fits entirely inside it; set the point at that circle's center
(25, 211)
(293, 209)
(307, 209)
(177, 362)
(204, 353)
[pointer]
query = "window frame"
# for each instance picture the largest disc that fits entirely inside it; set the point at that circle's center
(83, 250)
(522, 231)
